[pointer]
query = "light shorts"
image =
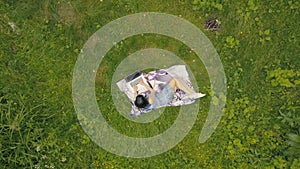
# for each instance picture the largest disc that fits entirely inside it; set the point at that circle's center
(164, 97)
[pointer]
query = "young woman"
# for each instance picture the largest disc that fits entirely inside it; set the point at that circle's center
(154, 99)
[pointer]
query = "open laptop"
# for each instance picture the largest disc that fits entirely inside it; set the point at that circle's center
(134, 78)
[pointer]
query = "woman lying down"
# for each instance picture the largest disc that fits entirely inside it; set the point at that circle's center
(152, 99)
(162, 90)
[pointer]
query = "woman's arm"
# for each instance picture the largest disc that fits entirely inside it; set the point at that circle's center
(135, 90)
(152, 92)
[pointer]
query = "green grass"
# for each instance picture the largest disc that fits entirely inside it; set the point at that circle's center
(258, 44)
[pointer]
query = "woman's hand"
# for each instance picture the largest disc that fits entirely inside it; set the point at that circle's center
(142, 82)
(135, 87)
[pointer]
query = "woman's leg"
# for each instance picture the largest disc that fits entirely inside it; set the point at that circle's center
(176, 83)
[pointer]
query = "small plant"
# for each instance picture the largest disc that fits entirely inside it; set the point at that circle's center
(264, 35)
(232, 42)
(283, 78)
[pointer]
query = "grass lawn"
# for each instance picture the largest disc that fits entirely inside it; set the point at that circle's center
(258, 44)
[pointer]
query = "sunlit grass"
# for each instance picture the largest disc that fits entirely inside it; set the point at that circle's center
(39, 45)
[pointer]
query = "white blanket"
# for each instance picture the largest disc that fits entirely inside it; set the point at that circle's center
(161, 76)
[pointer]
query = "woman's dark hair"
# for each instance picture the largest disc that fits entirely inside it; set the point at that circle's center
(141, 101)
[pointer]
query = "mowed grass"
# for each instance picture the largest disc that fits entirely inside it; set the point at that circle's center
(258, 43)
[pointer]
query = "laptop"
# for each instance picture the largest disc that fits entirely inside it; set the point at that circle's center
(134, 78)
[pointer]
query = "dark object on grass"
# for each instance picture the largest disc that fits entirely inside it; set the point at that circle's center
(3, 100)
(212, 24)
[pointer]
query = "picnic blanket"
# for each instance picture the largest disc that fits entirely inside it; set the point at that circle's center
(156, 79)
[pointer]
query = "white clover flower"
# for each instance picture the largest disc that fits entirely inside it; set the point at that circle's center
(38, 148)
(63, 159)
